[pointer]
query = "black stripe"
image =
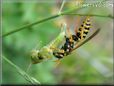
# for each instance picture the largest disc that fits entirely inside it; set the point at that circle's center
(88, 24)
(85, 32)
(58, 55)
(78, 35)
(88, 20)
(67, 39)
(84, 36)
(87, 28)
(80, 29)
(75, 38)
(82, 25)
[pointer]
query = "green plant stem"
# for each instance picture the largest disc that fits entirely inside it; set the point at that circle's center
(29, 25)
(21, 72)
(96, 15)
(52, 17)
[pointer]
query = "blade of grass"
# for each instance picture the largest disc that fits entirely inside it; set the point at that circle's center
(21, 72)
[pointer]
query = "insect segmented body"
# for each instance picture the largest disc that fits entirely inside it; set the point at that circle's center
(71, 41)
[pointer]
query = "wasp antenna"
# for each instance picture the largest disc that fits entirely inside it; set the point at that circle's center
(57, 62)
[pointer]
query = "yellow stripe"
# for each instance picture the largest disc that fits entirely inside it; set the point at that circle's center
(86, 30)
(84, 34)
(87, 26)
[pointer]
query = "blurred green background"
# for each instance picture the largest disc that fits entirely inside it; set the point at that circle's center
(92, 63)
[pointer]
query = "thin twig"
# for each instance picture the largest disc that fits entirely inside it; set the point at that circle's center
(21, 72)
(49, 18)
(61, 7)
(29, 25)
(96, 15)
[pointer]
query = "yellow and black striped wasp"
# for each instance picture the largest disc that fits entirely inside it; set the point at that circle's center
(72, 42)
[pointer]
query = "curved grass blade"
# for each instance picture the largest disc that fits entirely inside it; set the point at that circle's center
(21, 72)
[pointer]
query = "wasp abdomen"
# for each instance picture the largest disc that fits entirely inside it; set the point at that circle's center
(84, 29)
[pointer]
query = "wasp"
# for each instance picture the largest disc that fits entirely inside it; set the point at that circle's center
(72, 42)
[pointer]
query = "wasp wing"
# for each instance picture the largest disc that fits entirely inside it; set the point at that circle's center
(86, 40)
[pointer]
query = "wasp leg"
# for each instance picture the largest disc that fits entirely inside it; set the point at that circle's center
(57, 62)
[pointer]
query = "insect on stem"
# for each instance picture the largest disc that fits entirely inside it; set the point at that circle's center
(63, 45)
